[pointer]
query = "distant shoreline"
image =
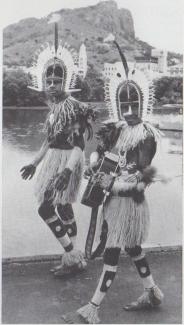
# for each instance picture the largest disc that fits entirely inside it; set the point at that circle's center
(46, 107)
(163, 109)
(26, 108)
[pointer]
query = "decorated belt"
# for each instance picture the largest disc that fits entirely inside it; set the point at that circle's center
(126, 194)
(137, 196)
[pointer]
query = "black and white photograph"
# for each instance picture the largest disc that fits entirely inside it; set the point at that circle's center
(92, 154)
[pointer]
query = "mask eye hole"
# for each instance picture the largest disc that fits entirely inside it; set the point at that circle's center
(48, 82)
(56, 82)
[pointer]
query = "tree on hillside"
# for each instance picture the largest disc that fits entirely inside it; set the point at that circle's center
(16, 92)
(169, 90)
(96, 83)
(85, 93)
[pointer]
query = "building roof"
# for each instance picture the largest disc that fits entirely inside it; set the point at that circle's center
(146, 59)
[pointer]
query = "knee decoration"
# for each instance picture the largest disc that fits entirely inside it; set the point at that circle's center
(57, 227)
(111, 256)
(72, 229)
(139, 260)
(46, 210)
(142, 267)
(65, 213)
(107, 280)
(47, 213)
(60, 222)
(134, 251)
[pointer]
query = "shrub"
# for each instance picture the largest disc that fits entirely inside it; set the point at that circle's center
(15, 91)
(169, 90)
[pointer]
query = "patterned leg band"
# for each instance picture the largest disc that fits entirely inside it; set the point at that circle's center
(65, 213)
(46, 210)
(47, 213)
(142, 267)
(139, 260)
(107, 280)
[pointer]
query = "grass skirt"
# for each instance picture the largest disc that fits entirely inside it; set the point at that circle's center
(128, 222)
(54, 162)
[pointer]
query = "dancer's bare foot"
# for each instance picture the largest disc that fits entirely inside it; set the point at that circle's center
(62, 270)
(150, 298)
(71, 262)
(74, 318)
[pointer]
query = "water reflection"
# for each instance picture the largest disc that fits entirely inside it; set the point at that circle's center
(24, 129)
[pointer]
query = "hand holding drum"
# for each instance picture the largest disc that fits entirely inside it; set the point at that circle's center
(104, 180)
(91, 170)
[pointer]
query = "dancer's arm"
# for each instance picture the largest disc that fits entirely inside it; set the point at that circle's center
(41, 153)
(28, 171)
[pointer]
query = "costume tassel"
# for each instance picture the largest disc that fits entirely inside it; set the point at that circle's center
(90, 313)
(155, 296)
(73, 257)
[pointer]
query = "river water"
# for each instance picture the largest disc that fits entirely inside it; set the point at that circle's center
(25, 234)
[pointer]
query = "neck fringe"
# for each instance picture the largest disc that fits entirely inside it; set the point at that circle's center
(60, 113)
(130, 136)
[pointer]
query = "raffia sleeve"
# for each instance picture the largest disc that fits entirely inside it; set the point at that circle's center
(147, 151)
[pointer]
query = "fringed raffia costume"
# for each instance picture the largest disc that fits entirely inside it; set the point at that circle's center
(126, 212)
(62, 138)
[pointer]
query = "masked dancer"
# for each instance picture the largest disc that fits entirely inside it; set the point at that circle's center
(129, 97)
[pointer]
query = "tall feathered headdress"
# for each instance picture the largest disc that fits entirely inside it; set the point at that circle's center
(133, 82)
(58, 54)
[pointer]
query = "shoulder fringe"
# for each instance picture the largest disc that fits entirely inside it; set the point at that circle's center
(59, 114)
(68, 110)
(131, 136)
(156, 133)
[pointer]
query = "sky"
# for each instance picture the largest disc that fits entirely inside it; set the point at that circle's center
(158, 22)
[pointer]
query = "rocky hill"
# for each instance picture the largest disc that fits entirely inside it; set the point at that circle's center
(91, 23)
